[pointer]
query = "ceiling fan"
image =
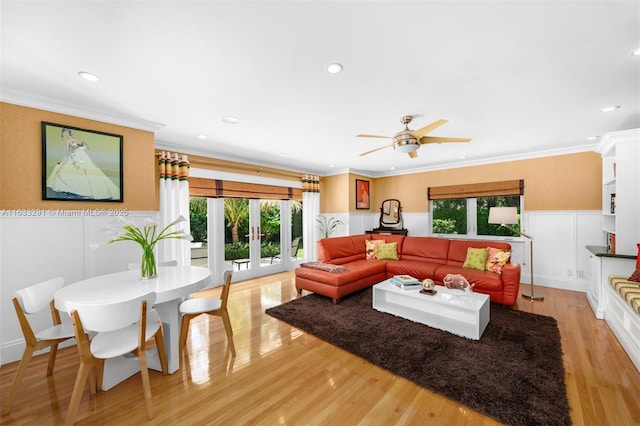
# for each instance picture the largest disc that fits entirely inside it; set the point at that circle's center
(410, 140)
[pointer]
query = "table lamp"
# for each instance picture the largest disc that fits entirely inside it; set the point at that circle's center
(506, 216)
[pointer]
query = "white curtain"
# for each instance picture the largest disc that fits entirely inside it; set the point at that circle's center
(174, 202)
(310, 211)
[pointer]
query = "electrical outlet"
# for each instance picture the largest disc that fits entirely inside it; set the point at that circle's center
(580, 273)
(569, 272)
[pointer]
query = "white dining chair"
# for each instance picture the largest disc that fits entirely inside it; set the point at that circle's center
(32, 300)
(121, 328)
(196, 306)
(136, 266)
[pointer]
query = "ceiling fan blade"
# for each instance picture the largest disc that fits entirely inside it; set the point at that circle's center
(413, 154)
(374, 136)
(441, 139)
(377, 149)
(428, 128)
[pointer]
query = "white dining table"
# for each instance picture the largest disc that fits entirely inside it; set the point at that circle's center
(171, 285)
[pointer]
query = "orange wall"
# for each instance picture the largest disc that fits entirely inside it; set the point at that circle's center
(21, 162)
(334, 193)
(563, 182)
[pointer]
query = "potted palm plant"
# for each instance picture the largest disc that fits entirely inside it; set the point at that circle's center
(328, 225)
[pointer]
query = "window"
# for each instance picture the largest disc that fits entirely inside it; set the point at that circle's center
(464, 209)
(470, 216)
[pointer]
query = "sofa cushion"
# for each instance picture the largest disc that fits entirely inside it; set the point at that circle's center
(636, 275)
(415, 268)
(426, 249)
(335, 269)
(388, 251)
(476, 258)
(335, 248)
(341, 250)
(496, 259)
(481, 279)
(357, 270)
(458, 249)
(372, 248)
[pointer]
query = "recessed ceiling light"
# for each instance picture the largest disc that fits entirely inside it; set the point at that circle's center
(636, 52)
(332, 165)
(462, 157)
(610, 108)
(88, 76)
(282, 154)
(392, 168)
(201, 136)
(592, 138)
(334, 68)
(230, 119)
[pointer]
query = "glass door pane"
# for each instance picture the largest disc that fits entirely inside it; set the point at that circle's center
(253, 236)
(198, 219)
(236, 232)
(270, 220)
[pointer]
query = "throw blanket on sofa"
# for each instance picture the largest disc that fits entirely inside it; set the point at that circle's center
(335, 269)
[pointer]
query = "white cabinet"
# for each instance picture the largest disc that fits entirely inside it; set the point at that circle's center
(601, 266)
(593, 291)
(620, 153)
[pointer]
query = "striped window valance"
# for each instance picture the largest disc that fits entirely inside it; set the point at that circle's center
(217, 188)
(173, 166)
(310, 183)
(474, 190)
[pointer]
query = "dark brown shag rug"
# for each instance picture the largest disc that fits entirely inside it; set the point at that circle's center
(513, 374)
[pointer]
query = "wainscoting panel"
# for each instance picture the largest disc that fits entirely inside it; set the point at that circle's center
(54, 243)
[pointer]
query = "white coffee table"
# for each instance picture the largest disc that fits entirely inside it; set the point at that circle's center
(460, 313)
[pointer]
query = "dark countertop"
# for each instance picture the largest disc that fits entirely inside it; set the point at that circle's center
(602, 252)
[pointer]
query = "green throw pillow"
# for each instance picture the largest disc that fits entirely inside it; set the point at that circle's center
(476, 258)
(388, 251)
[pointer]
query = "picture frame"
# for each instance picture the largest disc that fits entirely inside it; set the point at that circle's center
(363, 195)
(81, 164)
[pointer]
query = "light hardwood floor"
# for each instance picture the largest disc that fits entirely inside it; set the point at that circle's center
(284, 376)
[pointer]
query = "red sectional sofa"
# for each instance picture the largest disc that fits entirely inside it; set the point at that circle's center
(421, 257)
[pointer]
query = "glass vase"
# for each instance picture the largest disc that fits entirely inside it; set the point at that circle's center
(148, 264)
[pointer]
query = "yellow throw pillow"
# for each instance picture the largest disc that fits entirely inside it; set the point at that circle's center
(372, 248)
(388, 251)
(476, 258)
(496, 259)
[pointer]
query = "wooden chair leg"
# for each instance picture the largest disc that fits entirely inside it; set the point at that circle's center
(53, 351)
(184, 332)
(76, 395)
(99, 373)
(146, 384)
(22, 368)
(162, 354)
(228, 330)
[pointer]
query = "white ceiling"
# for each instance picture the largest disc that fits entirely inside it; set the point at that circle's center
(520, 78)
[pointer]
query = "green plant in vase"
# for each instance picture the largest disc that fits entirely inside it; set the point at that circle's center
(148, 236)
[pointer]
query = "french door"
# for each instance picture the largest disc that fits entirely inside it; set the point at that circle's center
(254, 237)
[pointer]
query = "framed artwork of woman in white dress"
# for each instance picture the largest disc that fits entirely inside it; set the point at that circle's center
(80, 164)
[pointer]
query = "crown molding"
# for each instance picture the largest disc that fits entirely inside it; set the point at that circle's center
(61, 107)
(608, 140)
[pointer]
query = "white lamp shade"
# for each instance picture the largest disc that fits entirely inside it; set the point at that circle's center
(503, 215)
(406, 148)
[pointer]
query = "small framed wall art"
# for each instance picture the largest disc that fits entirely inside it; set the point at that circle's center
(362, 194)
(81, 164)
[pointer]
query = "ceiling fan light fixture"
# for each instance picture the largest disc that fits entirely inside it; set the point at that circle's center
(406, 147)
